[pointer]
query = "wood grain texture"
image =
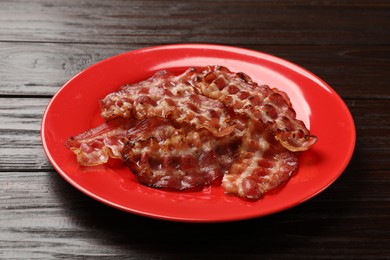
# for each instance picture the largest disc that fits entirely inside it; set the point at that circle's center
(218, 21)
(42, 68)
(20, 140)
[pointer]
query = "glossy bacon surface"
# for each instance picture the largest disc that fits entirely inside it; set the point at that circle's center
(168, 96)
(262, 164)
(271, 106)
(180, 161)
(97, 145)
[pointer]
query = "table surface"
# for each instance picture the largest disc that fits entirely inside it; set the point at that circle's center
(44, 43)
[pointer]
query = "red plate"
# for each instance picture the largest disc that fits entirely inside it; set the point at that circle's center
(75, 108)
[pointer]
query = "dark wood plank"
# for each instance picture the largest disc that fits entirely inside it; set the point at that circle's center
(41, 68)
(220, 21)
(20, 134)
(372, 134)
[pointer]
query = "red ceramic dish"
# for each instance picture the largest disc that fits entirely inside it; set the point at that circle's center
(75, 108)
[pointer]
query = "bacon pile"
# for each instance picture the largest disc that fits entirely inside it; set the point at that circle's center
(203, 126)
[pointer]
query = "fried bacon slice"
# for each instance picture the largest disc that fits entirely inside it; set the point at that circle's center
(189, 130)
(165, 95)
(262, 164)
(181, 161)
(97, 145)
(271, 106)
(159, 153)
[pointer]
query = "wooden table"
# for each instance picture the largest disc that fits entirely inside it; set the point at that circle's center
(44, 43)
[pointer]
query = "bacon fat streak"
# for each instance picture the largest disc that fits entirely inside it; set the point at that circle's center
(189, 130)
